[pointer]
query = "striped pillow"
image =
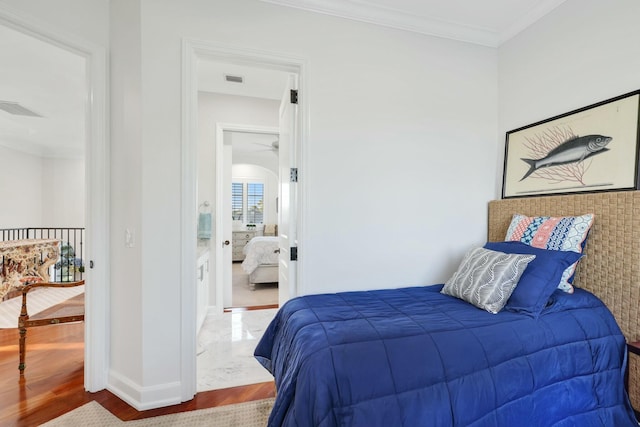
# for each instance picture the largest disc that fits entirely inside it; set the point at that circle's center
(487, 278)
(567, 233)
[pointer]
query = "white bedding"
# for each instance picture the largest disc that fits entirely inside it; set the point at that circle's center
(260, 250)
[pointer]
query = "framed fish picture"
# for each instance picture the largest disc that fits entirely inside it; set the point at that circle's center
(591, 149)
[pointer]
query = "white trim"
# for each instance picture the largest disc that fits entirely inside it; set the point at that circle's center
(369, 12)
(97, 190)
(189, 209)
(143, 398)
(192, 50)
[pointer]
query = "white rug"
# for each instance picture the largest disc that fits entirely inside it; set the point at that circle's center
(248, 414)
(37, 300)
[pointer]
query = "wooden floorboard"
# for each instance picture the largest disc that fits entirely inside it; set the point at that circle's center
(53, 383)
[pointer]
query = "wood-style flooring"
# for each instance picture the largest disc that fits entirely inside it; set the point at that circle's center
(53, 383)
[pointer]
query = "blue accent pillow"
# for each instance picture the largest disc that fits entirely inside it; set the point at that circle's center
(540, 278)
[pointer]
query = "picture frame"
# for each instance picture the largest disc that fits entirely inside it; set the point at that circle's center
(591, 149)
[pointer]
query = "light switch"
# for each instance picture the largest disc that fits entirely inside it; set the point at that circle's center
(129, 238)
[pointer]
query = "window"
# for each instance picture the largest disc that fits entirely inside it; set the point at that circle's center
(236, 201)
(255, 202)
(247, 202)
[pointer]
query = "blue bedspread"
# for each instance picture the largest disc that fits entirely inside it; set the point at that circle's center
(415, 357)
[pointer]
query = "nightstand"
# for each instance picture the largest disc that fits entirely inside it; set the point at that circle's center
(240, 239)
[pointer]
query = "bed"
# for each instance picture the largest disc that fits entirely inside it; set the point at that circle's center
(415, 356)
(261, 260)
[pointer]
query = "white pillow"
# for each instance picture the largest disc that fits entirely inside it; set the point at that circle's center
(487, 278)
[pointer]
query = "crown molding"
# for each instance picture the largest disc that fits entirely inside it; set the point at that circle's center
(374, 14)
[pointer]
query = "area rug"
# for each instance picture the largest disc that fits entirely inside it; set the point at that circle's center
(37, 301)
(248, 414)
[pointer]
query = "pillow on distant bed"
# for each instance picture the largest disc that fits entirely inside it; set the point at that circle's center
(567, 233)
(541, 277)
(486, 278)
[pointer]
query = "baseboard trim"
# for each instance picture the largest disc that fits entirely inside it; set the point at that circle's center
(144, 398)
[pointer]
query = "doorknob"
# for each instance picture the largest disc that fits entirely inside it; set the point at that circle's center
(225, 243)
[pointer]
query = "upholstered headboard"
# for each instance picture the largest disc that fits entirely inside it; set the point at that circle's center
(611, 268)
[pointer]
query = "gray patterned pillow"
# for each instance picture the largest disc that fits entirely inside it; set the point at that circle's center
(487, 278)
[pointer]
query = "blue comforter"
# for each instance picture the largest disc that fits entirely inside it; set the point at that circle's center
(415, 357)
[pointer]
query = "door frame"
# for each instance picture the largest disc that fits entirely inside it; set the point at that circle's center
(192, 50)
(97, 317)
(218, 253)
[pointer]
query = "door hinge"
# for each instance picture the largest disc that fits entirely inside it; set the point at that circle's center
(294, 96)
(294, 253)
(293, 175)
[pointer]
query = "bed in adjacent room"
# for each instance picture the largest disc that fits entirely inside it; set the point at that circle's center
(261, 260)
(453, 355)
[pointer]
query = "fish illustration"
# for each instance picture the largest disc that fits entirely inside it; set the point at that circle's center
(572, 150)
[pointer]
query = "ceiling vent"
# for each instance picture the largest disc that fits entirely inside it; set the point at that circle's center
(17, 109)
(234, 79)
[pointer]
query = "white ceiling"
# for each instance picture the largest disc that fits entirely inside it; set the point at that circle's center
(51, 81)
(486, 22)
(258, 82)
(254, 148)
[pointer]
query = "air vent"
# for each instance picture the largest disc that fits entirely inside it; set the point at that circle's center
(17, 109)
(233, 79)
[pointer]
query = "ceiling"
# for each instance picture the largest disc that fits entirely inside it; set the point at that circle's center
(51, 81)
(254, 148)
(486, 22)
(257, 82)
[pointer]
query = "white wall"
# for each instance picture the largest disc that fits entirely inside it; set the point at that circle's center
(40, 191)
(129, 362)
(584, 52)
(21, 189)
(63, 192)
(85, 18)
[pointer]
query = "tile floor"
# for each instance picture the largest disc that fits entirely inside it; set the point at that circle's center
(225, 349)
(226, 341)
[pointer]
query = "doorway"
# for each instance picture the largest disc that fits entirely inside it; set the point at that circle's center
(78, 157)
(197, 55)
(253, 218)
(241, 112)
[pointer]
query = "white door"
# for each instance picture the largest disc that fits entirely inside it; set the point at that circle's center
(227, 228)
(287, 195)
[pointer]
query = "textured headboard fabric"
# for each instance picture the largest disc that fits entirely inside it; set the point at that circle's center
(611, 267)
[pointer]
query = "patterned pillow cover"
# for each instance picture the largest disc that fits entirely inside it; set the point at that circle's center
(486, 278)
(567, 233)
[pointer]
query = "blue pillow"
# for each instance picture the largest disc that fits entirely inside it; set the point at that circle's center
(539, 279)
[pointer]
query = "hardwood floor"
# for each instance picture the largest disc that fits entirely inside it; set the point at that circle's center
(53, 382)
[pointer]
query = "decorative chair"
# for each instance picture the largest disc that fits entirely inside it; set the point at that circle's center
(71, 310)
